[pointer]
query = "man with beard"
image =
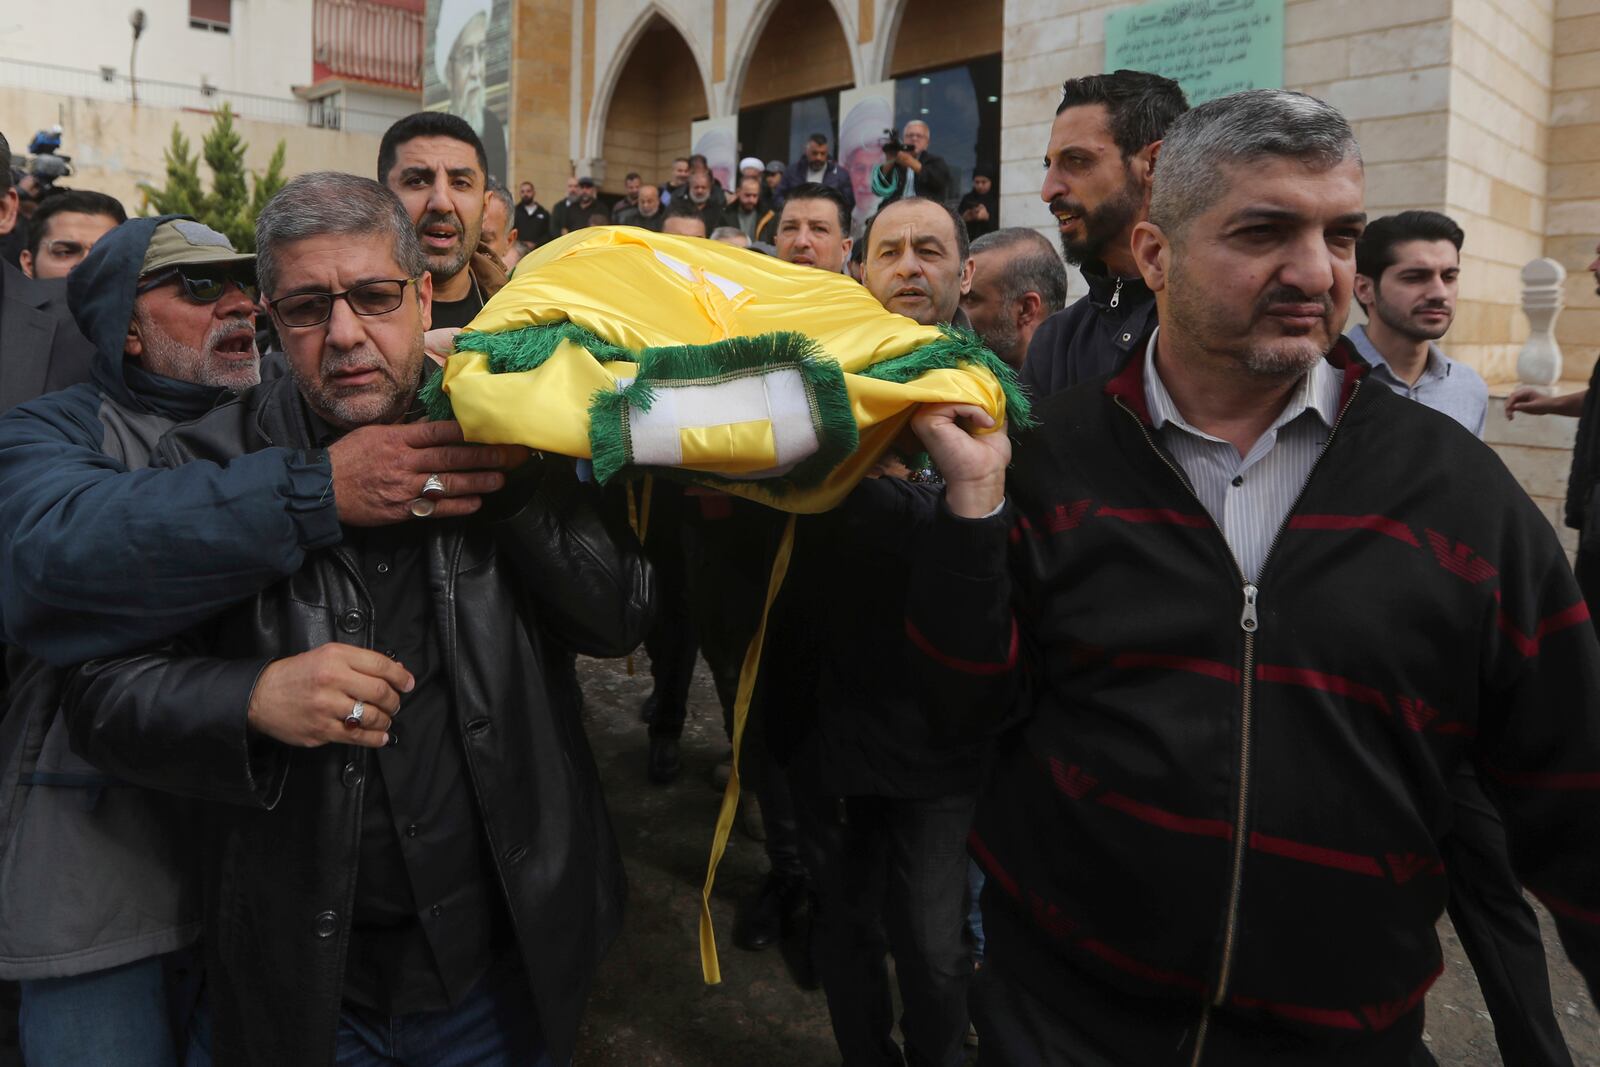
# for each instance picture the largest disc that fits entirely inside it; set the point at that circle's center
(497, 230)
(630, 198)
(1098, 168)
(1408, 267)
(647, 213)
(1017, 283)
(461, 55)
(405, 843)
(678, 186)
(912, 170)
(699, 200)
(746, 214)
(435, 164)
(558, 214)
(582, 209)
(532, 220)
(1164, 609)
(1582, 512)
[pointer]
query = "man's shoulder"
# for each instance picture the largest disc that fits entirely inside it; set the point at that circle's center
(71, 415)
(235, 428)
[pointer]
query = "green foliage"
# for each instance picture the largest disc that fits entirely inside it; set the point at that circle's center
(237, 194)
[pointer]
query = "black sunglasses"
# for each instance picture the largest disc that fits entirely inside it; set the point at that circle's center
(202, 288)
(299, 310)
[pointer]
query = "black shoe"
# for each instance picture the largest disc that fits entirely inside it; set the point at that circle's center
(647, 710)
(665, 766)
(761, 919)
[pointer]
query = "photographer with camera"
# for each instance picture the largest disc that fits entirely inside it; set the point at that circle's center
(909, 169)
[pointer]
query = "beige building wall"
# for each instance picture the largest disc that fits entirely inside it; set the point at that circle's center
(117, 145)
(1572, 216)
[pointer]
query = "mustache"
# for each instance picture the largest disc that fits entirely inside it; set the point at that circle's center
(1284, 294)
(355, 360)
(229, 330)
(1062, 206)
(440, 218)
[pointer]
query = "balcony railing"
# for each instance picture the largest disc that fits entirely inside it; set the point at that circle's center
(370, 41)
(108, 84)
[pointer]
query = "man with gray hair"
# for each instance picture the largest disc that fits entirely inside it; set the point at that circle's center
(1017, 282)
(407, 856)
(1238, 653)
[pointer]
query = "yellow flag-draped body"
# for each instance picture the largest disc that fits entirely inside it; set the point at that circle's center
(652, 351)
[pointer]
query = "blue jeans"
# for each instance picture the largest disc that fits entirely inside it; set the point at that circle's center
(123, 1015)
(494, 1026)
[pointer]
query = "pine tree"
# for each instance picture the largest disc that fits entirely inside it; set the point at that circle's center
(230, 207)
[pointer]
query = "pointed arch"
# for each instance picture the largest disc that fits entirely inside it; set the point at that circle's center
(756, 27)
(653, 16)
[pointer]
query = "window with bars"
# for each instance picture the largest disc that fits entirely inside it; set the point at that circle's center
(215, 16)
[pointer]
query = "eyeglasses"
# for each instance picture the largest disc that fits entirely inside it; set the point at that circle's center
(65, 249)
(201, 288)
(299, 310)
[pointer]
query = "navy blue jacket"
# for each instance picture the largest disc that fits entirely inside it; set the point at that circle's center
(834, 177)
(101, 558)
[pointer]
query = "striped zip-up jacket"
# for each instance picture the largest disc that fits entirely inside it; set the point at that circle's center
(1215, 805)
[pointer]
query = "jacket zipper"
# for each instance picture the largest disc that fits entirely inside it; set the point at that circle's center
(1250, 623)
(1116, 294)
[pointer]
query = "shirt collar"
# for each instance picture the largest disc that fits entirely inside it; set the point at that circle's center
(1438, 366)
(1317, 391)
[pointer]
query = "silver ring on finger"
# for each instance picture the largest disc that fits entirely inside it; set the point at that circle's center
(433, 487)
(422, 507)
(357, 713)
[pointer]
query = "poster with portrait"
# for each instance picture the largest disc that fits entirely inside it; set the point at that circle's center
(466, 69)
(718, 141)
(866, 121)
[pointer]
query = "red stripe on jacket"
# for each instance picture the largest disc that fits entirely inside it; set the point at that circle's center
(965, 666)
(1528, 644)
(1330, 683)
(1376, 523)
(1195, 665)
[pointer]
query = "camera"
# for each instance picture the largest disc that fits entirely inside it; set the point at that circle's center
(892, 145)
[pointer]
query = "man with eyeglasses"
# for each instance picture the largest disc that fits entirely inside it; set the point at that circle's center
(408, 859)
(65, 227)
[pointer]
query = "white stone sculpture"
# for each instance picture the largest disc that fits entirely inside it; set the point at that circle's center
(1539, 362)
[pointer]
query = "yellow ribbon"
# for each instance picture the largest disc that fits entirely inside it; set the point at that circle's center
(709, 966)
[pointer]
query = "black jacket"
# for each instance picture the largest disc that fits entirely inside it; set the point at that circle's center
(934, 182)
(41, 349)
(1212, 799)
(836, 679)
(1089, 337)
(282, 827)
(798, 173)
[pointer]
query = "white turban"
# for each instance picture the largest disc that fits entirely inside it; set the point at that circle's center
(864, 125)
(453, 18)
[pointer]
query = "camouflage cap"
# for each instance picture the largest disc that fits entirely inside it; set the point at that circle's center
(184, 242)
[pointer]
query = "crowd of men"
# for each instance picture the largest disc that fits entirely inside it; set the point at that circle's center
(1161, 730)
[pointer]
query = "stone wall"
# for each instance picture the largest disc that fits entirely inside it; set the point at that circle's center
(651, 109)
(1572, 227)
(117, 145)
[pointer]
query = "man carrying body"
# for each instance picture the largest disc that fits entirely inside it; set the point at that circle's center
(1408, 268)
(1017, 283)
(913, 170)
(815, 167)
(1205, 738)
(383, 904)
(1098, 168)
(883, 807)
(813, 228)
(435, 164)
(64, 228)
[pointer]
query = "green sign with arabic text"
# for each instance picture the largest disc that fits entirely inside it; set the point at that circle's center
(1210, 47)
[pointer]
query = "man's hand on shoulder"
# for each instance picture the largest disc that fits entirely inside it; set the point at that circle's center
(972, 464)
(304, 700)
(379, 470)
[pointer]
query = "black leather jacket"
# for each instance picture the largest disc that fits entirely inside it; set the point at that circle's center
(513, 595)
